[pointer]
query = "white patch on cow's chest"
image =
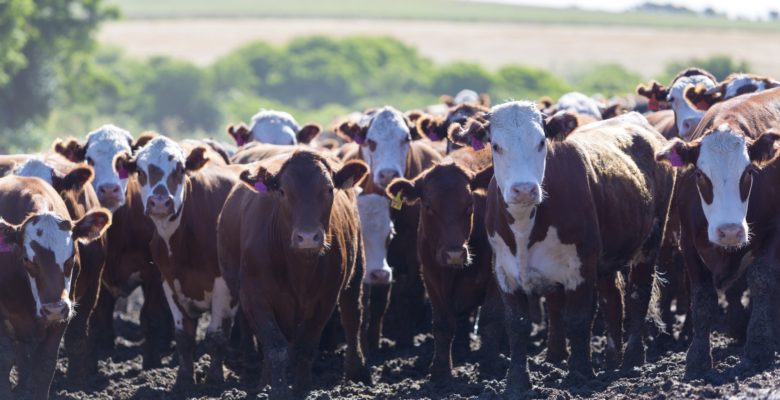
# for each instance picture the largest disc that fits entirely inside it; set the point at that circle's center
(545, 263)
(166, 228)
(178, 317)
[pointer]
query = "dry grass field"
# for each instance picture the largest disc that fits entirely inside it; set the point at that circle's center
(559, 48)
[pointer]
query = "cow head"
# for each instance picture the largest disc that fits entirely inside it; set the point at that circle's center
(377, 229)
(725, 163)
(560, 125)
(161, 168)
(515, 132)
(305, 186)
(75, 180)
(46, 245)
(447, 208)
(703, 97)
(99, 151)
(579, 104)
(273, 127)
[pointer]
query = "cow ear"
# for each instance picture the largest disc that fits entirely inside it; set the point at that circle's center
(656, 95)
(353, 132)
(75, 180)
(763, 150)
(413, 131)
(308, 133)
(240, 133)
(125, 164)
(71, 149)
(484, 100)
(679, 153)
(9, 236)
(613, 111)
(261, 180)
(404, 189)
(482, 179)
(92, 225)
(544, 102)
(701, 98)
(448, 100)
(476, 134)
(196, 159)
(428, 125)
(351, 174)
(143, 139)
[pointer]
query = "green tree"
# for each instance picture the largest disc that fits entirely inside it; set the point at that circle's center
(521, 82)
(606, 79)
(452, 78)
(720, 66)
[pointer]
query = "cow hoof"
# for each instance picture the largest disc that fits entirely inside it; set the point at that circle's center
(517, 389)
(281, 393)
(184, 379)
(215, 376)
(758, 355)
(555, 357)
(579, 377)
(441, 376)
(698, 361)
(361, 374)
(634, 355)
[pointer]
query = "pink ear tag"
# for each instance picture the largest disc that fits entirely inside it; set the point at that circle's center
(477, 144)
(675, 158)
(358, 139)
(122, 172)
(433, 135)
(652, 104)
(5, 247)
(261, 187)
(239, 141)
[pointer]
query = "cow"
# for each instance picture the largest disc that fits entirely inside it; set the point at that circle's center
(562, 216)
(71, 182)
(39, 254)
(128, 259)
(273, 127)
(436, 127)
(580, 104)
(734, 85)
(686, 117)
(385, 141)
(453, 249)
(466, 96)
(288, 243)
(183, 200)
(559, 125)
(727, 212)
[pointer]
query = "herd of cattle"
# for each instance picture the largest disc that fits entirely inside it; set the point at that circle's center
(527, 212)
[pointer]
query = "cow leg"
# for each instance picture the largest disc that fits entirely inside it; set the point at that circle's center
(79, 346)
(273, 343)
(759, 346)
(639, 289)
(556, 335)
(6, 363)
(578, 314)
(42, 363)
(444, 324)
(736, 315)
(185, 348)
(611, 305)
(223, 311)
(704, 302)
(156, 319)
(463, 329)
(350, 308)
(101, 324)
(491, 331)
(518, 330)
(378, 301)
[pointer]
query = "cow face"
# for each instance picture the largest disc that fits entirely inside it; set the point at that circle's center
(305, 186)
(686, 115)
(515, 132)
(162, 172)
(273, 127)
(74, 180)
(724, 163)
(447, 209)
(46, 245)
(377, 229)
(385, 144)
(99, 151)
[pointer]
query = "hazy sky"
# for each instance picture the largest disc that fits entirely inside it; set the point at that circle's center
(734, 8)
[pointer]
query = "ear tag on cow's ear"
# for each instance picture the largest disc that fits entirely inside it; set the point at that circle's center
(477, 144)
(433, 135)
(359, 139)
(397, 203)
(239, 141)
(261, 187)
(675, 158)
(5, 247)
(652, 104)
(122, 172)
(702, 105)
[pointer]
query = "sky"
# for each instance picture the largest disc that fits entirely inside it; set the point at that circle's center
(734, 8)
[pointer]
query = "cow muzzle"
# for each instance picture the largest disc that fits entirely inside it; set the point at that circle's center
(159, 206)
(385, 176)
(110, 195)
(308, 239)
(730, 235)
(524, 194)
(453, 256)
(56, 312)
(378, 276)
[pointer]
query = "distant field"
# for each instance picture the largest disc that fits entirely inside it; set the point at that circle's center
(556, 47)
(448, 10)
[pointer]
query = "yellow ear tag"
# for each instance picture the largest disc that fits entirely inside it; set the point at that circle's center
(397, 203)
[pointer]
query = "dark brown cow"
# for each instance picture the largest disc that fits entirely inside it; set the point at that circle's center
(38, 253)
(562, 123)
(453, 248)
(582, 228)
(288, 245)
(728, 216)
(437, 127)
(183, 200)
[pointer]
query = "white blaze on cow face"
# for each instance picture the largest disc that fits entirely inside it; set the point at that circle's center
(377, 229)
(160, 166)
(686, 117)
(722, 161)
(102, 146)
(274, 127)
(35, 167)
(519, 152)
(386, 146)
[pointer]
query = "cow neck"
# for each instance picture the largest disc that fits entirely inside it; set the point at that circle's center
(167, 227)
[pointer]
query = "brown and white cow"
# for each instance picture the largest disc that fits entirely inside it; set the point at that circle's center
(128, 259)
(726, 202)
(39, 253)
(734, 85)
(273, 127)
(183, 200)
(288, 246)
(563, 215)
(437, 127)
(454, 251)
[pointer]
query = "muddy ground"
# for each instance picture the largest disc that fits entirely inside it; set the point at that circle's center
(403, 375)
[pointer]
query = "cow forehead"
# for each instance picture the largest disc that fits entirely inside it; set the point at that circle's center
(161, 152)
(107, 141)
(270, 118)
(51, 232)
(35, 167)
(374, 213)
(678, 87)
(580, 103)
(723, 151)
(466, 96)
(388, 124)
(740, 81)
(516, 121)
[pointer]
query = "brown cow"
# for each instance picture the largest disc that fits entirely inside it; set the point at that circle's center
(183, 200)
(702, 98)
(38, 253)
(437, 127)
(582, 228)
(288, 246)
(728, 216)
(562, 123)
(453, 249)
(273, 127)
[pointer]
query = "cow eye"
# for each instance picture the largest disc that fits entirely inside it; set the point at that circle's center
(281, 192)
(540, 146)
(407, 139)
(496, 148)
(371, 144)
(90, 161)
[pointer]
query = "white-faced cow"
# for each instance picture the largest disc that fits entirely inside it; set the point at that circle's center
(702, 97)
(273, 127)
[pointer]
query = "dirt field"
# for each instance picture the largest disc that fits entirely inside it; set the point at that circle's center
(559, 48)
(403, 375)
